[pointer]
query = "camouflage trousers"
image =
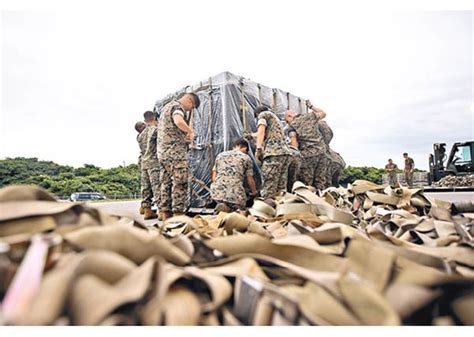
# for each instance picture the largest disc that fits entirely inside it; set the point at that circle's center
(174, 186)
(392, 178)
(314, 171)
(409, 178)
(150, 186)
(293, 168)
(275, 175)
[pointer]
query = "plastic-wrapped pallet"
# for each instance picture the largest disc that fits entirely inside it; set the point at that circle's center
(226, 111)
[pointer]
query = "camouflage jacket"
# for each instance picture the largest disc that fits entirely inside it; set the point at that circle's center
(172, 144)
(142, 144)
(310, 139)
(231, 168)
(393, 167)
(275, 140)
(149, 157)
(326, 131)
(409, 164)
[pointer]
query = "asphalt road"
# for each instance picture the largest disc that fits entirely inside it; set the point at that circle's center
(133, 206)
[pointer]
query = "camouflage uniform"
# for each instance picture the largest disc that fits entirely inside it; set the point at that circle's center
(276, 155)
(409, 165)
(231, 168)
(313, 150)
(145, 186)
(336, 166)
(150, 168)
(172, 153)
(295, 159)
(326, 131)
(392, 176)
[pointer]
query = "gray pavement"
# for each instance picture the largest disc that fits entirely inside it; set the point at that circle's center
(134, 205)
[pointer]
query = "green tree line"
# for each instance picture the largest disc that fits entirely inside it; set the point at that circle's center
(63, 180)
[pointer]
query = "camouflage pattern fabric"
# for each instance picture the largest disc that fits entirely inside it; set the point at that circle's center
(336, 165)
(275, 175)
(150, 186)
(275, 141)
(326, 131)
(172, 144)
(141, 139)
(294, 167)
(145, 185)
(231, 168)
(174, 175)
(149, 157)
(392, 176)
(310, 140)
(314, 171)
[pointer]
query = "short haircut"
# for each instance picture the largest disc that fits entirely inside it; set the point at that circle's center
(139, 126)
(149, 115)
(259, 109)
(196, 100)
(389, 159)
(405, 154)
(241, 142)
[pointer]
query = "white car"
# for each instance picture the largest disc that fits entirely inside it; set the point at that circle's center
(86, 196)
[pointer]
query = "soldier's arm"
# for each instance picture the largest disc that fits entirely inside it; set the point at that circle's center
(260, 135)
(214, 175)
(179, 121)
(252, 185)
(317, 111)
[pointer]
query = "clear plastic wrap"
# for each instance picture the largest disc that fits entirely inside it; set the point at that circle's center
(226, 111)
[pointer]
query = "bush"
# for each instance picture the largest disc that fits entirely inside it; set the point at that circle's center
(64, 180)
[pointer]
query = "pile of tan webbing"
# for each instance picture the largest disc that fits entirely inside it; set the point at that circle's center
(365, 255)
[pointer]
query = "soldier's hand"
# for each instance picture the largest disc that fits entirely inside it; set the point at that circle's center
(248, 135)
(190, 136)
(259, 157)
(308, 103)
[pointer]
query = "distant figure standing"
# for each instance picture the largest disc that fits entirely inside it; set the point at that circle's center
(409, 169)
(391, 169)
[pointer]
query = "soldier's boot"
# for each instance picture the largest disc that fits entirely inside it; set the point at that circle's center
(142, 210)
(149, 214)
(163, 215)
(221, 207)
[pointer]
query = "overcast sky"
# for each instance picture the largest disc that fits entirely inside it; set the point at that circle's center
(75, 82)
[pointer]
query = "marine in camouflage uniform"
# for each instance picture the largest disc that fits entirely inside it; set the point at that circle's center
(295, 155)
(230, 169)
(391, 169)
(150, 178)
(315, 162)
(409, 169)
(172, 152)
(146, 192)
(275, 153)
(336, 165)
